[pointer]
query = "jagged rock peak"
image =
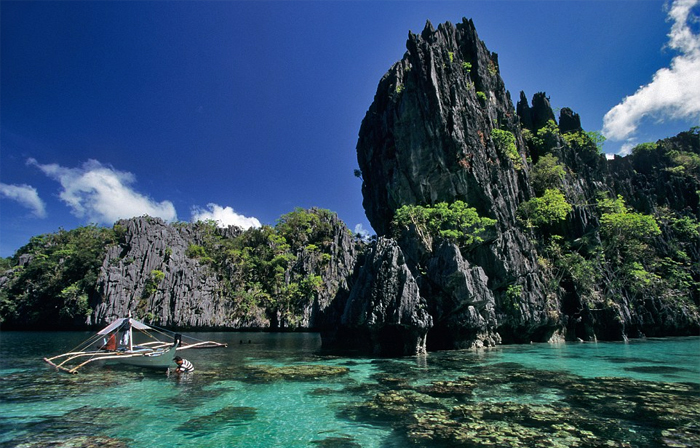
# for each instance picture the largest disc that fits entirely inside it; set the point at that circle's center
(569, 121)
(428, 138)
(456, 45)
(524, 112)
(428, 31)
(537, 116)
(430, 124)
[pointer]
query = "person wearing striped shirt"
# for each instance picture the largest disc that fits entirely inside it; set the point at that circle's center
(183, 365)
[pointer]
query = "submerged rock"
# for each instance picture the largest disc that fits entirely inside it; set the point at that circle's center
(336, 442)
(263, 373)
(93, 441)
(84, 427)
(228, 416)
(547, 409)
(394, 406)
(462, 387)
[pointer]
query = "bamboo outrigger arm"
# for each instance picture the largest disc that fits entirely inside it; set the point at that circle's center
(203, 344)
(130, 355)
(184, 346)
(71, 357)
(95, 357)
(59, 367)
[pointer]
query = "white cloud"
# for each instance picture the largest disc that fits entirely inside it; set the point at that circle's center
(102, 194)
(360, 230)
(27, 196)
(224, 217)
(627, 147)
(674, 92)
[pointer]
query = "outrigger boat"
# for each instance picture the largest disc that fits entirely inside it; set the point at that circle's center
(116, 344)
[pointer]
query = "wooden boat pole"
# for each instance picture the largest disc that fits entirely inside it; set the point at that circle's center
(131, 333)
(58, 367)
(79, 355)
(131, 336)
(70, 356)
(64, 354)
(202, 344)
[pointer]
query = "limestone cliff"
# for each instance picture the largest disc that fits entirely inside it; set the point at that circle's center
(617, 277)
(385, 313)
(295, 275)
(155, 275)
(427, 138)
(434, 134)
(186, 295)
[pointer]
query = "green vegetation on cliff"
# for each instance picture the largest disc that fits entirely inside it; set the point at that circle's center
(547, 173)
(455, 222)
(505, 142)
(50, 282)
(258, 268)
(547, 209)
(633, 267)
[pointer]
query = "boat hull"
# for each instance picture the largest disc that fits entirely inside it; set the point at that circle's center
(154, 360)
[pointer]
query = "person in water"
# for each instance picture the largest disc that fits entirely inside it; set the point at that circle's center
(183, 365)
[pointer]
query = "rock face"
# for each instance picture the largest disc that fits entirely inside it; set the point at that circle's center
(151, 275)
(427, 139)
(186, 296)
(430, 136)
(385, 313)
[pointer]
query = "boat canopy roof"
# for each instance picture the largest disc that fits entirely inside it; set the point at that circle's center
(119, 322)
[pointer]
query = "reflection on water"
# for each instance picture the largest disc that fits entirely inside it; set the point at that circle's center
(282, 390)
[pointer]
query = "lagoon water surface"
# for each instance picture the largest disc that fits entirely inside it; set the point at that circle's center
(282, 390)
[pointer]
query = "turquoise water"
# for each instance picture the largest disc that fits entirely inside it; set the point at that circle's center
(282, 390)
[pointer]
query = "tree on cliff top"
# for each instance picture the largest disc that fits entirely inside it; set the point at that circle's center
(303, 227)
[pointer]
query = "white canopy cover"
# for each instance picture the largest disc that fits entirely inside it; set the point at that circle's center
(119, 322)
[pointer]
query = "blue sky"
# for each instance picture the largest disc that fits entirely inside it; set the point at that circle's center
(242, 111)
